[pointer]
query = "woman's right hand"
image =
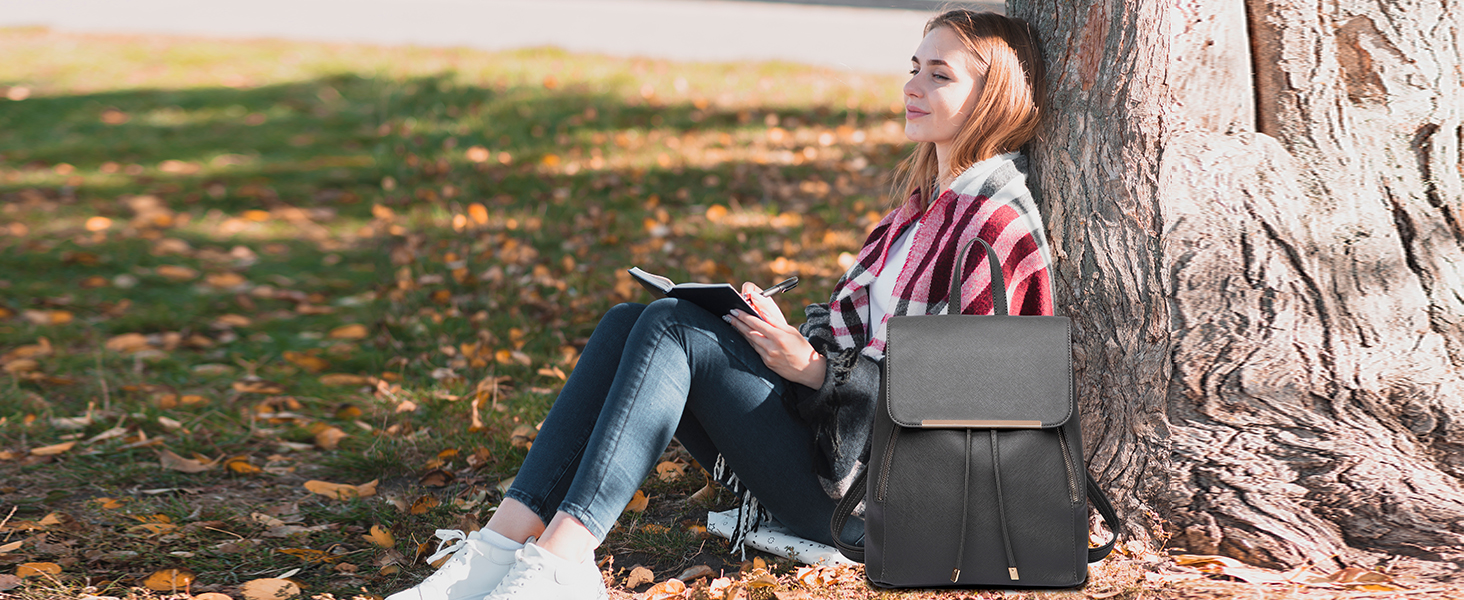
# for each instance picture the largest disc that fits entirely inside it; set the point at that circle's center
(782, 348)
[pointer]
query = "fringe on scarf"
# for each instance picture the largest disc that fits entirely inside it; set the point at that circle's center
(749, 513)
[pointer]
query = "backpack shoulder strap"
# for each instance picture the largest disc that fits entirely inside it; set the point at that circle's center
(842, 512)
(1105, 508)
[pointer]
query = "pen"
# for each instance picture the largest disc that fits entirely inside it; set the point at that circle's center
(781, 286)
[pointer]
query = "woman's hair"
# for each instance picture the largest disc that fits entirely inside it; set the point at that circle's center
(1006, 115)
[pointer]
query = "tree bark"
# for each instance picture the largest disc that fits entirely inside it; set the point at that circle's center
(1255, 210)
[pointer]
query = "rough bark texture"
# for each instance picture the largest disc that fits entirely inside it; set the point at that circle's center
(1256, 215)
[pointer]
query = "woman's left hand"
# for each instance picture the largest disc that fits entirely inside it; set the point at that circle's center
(781, 347)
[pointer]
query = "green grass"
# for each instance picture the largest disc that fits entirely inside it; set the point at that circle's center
(472, 212)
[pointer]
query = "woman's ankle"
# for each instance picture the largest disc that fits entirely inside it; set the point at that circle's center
(515, 522)
(568, 538)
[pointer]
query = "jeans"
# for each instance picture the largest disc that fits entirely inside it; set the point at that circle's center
(651, 372)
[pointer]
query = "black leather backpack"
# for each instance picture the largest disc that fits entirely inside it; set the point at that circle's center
(976, 474)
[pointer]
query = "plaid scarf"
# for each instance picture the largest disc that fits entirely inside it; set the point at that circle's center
(990, 200)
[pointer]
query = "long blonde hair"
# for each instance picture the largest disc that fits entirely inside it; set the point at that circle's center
(1007, 114)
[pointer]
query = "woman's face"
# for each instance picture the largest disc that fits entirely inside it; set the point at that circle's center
(943, 88)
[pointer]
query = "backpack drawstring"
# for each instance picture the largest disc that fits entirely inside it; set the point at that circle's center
(1001, 509)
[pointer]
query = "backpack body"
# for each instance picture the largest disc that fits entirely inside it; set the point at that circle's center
(975, 475)
(976, 468)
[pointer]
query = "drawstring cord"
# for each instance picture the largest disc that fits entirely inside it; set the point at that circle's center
(965, 510)
(1006, 537)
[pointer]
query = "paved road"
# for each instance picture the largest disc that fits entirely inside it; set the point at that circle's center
(854, 38)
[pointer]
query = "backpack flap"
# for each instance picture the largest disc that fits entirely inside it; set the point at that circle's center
(979, 371)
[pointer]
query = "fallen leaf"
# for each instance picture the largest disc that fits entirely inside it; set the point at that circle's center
(309, 362)
(269, 589)
(225, 280)
(424, 504)
(173, 462)
(22, 365)
(254, 386)
(169, 580)
(380, 536)
(107, 503)
(342, 491)
(696, 572)
(671, 588)
(345, 379)
(436, 478)
(242, 466)
(36, 569)
(52, 449)
(354, 331)
(329, 437)
(153, 528)
(228, 321)
(11, 547)
(659, 530)
(9, 582)
(212, 596)
(176, 273)
(670, 471)
(127, 342)
(638, 503)
(639, 576)
(309, 555)
(523, 436)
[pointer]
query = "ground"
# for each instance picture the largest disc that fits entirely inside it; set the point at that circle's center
(272, 313)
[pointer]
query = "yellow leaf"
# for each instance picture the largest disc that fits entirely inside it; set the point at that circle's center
(655, 529)
(424, 504)
(41, 348)
(98, 224)
(11, 547)
(242, 466)
(173, 462)
(127, 342)
(258, 387)
(169, 580)
(176, 273)
(477, 154)
(107, 503)
(269, 589)
(353, 331)
(228, 320)
(36, 569)
(153, 528)
(670, 471)
(309, 362)
(225, 280)
(671, 588)
(52, 449)
(342, 491)
(381, 537)
(639, 576)
(22, 365)
(345, 379)
(329, 438)
(476, 211)
(308, 555)
(638, 503)
(523, 435)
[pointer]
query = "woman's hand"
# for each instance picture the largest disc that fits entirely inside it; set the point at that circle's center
(781, 347)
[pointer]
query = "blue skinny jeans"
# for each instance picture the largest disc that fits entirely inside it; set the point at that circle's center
(671, 368)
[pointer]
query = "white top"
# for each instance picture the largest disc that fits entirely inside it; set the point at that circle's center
(882, 293)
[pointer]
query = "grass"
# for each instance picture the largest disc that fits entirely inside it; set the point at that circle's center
(291, 262)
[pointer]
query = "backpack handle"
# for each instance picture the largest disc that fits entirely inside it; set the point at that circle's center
(998, 282)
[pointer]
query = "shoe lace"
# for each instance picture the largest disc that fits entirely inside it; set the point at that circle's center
(449, 542)
(517, 578)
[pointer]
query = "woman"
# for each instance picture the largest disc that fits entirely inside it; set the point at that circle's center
(783, 413)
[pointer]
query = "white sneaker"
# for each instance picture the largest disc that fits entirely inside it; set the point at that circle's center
(476, 568)
(540, 575)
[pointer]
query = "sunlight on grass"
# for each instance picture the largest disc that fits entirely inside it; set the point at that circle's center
(287, 262)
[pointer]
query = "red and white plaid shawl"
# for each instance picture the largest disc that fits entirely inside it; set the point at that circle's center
(990, 200)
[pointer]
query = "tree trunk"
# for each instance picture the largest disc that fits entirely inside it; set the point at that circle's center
(1255, 211)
